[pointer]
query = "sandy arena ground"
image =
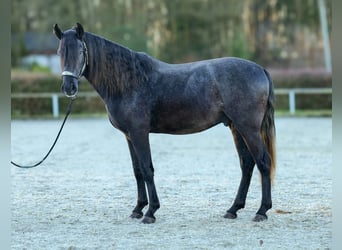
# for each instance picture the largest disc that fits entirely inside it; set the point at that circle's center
(82, 196)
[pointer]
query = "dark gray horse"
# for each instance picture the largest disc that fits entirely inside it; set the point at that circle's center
(143, 95)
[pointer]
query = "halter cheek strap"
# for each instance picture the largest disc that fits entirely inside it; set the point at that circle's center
(85, 63)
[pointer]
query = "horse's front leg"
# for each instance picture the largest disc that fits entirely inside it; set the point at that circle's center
(142, 196)
(140, 144)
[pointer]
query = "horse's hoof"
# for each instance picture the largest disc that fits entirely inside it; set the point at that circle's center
(136, 215)
(148, 220)
(229, 215)
(260, 217)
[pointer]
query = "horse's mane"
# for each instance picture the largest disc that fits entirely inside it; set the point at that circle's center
(113, 68)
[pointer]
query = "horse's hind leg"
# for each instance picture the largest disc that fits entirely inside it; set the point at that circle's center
(262, 158)
(247, 165)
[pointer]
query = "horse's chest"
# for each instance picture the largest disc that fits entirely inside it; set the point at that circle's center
(115, 119)
(127, 115)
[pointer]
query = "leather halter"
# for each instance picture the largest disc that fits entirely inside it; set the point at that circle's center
(85, 63)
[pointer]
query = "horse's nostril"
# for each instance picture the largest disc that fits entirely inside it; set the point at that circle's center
(70, 87)
(74, 88)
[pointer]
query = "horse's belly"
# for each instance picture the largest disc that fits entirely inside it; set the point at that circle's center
(185, 121)
(181, 129)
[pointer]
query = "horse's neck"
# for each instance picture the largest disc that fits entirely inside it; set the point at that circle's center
(112, 67)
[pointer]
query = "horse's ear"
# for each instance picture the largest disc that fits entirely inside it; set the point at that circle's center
(57, 31)
(79, 30)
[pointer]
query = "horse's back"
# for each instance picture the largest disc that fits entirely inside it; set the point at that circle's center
(238, 73)
(225, 71)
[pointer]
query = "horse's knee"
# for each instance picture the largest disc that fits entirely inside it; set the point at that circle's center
(264, 164)
(147, 174)
(148, 177)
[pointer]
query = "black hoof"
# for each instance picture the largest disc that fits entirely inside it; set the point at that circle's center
(148, 220)
(136, 215)
(260, 217)
(229, 215)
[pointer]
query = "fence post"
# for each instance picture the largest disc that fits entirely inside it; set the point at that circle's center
(292, 101)
(55, 106)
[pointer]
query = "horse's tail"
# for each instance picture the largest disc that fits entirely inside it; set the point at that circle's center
(268, 132)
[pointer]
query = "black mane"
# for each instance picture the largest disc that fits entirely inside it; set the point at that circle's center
(113, 68)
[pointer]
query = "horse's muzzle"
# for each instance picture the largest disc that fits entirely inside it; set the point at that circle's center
(70, 86)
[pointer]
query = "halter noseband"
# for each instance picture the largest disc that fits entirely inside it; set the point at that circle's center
(85, 63)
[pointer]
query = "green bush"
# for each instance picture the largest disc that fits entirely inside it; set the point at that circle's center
(301, 78)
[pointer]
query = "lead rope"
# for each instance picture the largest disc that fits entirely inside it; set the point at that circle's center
(54, 143)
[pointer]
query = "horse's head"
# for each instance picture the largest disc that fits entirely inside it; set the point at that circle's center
(74, 57)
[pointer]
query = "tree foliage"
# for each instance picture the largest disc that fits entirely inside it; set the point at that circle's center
(272, 32)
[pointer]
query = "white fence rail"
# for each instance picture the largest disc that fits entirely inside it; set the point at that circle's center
(279, 91)
(292, 94)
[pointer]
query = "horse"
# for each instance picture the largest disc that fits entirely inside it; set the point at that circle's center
(144, 95)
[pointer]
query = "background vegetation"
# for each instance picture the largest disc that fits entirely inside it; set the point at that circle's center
(282, 35)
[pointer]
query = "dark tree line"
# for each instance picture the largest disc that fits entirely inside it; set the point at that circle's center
(272, 32)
